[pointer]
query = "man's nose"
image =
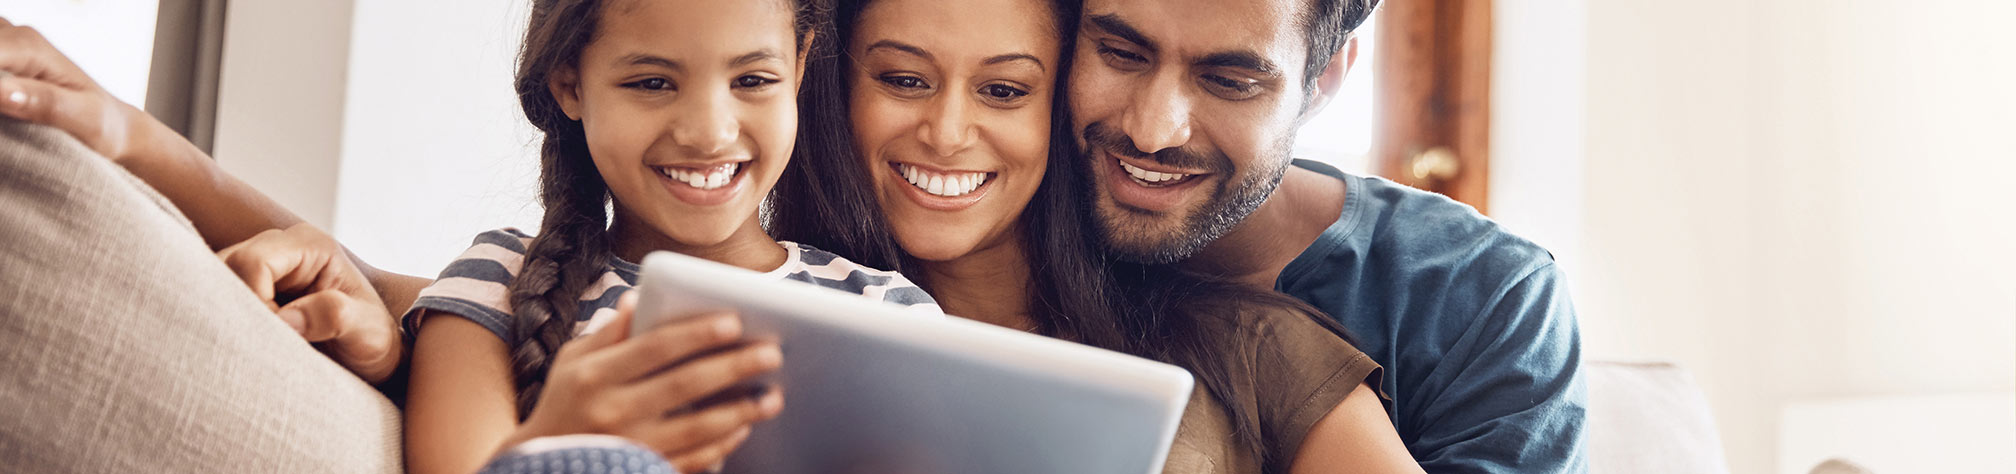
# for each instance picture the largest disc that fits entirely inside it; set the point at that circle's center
(1159, 117)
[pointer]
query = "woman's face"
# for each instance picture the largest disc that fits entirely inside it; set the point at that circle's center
(951, 109)
(689, 107)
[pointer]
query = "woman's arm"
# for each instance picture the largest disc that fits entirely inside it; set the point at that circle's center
(1355, 437)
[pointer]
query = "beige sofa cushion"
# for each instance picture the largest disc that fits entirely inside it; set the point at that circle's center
(126, 346)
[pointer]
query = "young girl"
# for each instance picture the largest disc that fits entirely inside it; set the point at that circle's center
(666, 123)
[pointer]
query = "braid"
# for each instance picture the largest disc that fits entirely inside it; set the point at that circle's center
(566, 257)
(572, 246)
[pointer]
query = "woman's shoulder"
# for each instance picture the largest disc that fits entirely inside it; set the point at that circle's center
(1301, 367)
(826, 269)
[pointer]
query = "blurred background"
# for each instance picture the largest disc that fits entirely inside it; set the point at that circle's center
(1807, 207)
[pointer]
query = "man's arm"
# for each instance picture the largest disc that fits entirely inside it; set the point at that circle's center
(1518, 402)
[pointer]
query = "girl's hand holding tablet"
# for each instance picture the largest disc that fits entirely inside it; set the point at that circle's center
(662, 388)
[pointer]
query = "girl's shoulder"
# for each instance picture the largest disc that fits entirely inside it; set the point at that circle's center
(811, 265)
(476, 284)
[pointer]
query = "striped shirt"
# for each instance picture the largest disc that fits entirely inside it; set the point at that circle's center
(474, 285)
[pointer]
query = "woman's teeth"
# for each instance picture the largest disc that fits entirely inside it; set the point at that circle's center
(1151, 177)
(942, 184)
(710, 178)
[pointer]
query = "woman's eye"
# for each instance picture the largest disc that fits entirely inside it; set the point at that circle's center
(1002, 92)
(651, 84)
(904, 82)
(751, 82)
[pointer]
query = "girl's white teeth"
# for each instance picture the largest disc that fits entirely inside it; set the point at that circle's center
(942, 184)
(1150, 176)
(711, 178)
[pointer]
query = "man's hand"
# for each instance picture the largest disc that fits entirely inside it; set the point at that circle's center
(40, 85)
(309, 281)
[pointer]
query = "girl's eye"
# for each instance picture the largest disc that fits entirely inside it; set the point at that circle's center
(752, 82)
(650, 84)
(904, 82)
(1002, 92)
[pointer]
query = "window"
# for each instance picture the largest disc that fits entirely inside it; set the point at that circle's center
(1341, 135)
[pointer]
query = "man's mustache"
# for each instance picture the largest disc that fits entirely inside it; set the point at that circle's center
(1098, 136)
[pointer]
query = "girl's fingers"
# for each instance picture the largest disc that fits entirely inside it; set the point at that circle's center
(708, 458)
(680, 339)
(691, 433)
(693, 381)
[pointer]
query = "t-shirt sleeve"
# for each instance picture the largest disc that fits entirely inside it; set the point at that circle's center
(1302, 371)
(473, 286)
(1521, 402)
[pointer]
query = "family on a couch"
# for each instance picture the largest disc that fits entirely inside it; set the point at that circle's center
(1113, 173)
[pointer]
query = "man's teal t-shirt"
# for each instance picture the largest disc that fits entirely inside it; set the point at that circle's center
(1472, 324)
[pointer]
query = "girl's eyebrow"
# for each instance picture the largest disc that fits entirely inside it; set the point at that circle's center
(753, 57)
(642, 59)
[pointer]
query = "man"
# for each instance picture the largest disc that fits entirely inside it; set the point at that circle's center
(1187, 111)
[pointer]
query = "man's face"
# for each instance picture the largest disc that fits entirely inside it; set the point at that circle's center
(1186, 111)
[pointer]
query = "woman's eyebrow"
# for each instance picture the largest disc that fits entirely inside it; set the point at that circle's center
(900, 46)
(1012, 57)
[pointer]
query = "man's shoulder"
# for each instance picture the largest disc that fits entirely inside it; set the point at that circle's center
(1402, 232)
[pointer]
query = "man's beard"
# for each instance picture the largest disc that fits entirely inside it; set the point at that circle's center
(1228, 205)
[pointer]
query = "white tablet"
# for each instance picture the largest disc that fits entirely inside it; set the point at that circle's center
(873, 387)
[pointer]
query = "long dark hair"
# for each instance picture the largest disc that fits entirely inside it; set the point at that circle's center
(573, 245)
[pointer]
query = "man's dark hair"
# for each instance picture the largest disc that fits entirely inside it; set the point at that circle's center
(1327, 26)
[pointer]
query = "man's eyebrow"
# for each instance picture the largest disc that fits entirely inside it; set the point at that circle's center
(641, 59)
(1012, 57)
(1242, 60)
(900, 46)
(1113, 25)
(754, 57)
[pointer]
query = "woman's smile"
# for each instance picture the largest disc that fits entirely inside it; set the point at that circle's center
(943, 190)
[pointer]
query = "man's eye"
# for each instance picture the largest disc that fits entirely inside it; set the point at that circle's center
(1228, 88)
(651, 84)
(1120, 54)
(904, 82)
(1002, 92)
(752, 82)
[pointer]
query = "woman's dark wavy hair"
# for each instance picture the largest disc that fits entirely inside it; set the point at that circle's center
(1077, 292)
(573, 244)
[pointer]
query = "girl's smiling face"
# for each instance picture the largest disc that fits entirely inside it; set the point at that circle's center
(689, 109)
(951, 110)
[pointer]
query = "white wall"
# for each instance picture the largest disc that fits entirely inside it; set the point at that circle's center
(280, 100)
(435, 149)
(112, 40)
(1795, 199)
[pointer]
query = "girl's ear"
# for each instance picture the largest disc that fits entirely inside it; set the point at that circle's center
(565, 85)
